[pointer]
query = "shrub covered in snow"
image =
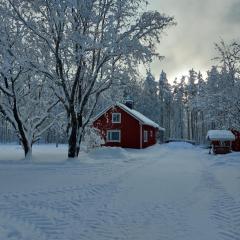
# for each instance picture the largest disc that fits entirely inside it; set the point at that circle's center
(92, 138)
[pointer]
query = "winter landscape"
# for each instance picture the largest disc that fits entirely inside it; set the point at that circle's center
(119, 120)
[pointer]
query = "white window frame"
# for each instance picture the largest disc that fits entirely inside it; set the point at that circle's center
(120, 117)
(145, 136)
(113, 131)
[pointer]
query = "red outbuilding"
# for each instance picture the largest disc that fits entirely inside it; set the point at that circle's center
(236, 143)
(122, 126)
(221, 141)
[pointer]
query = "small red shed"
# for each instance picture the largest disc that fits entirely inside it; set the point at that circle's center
(221, 141)
(122, 126)
(236, 143)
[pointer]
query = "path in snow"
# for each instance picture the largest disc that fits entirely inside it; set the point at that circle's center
(168, 192)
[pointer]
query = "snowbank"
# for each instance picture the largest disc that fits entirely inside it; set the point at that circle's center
(179, 145)
(107, 153)
(48, 153)
(10, 152)
(42, 153)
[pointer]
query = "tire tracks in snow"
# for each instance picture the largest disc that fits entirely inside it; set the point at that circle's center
(91, 211)
(75, 211)
(49, 214)
(149, 219)
(225, 210)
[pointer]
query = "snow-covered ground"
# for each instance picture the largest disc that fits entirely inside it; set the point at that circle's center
(173, 191)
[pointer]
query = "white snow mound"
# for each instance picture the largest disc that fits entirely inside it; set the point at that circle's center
(180, 145)
(115, 153)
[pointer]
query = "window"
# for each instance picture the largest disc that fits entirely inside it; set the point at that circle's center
(113, 136)
(116, 117)
(145, 136)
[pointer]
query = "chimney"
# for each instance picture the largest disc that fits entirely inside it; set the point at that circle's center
(129, 103)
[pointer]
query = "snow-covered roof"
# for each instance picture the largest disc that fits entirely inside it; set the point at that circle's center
(222, 135)
(143, 119)
(139, 116)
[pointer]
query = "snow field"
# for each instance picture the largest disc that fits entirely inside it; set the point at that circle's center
(172, 191)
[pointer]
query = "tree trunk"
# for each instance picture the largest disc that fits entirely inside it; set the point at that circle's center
(72, 141)
(27, 147)
(26, 144)
(27, 151)
(75, 138)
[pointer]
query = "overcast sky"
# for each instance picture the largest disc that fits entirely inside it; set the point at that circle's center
(200, 23)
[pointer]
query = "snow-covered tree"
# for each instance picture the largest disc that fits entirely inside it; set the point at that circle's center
(191, 91)
(165, 103)
(229, 58)
(92, 138)
(229, 84)
(127, 85)
(84, 44)
(24, 93)
(149, 98)
(178, 108)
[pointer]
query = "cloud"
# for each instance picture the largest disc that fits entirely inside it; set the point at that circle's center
(200, 24)
(233, 15)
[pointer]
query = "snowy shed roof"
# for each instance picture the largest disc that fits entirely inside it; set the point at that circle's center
(221, 135)
(139, 116)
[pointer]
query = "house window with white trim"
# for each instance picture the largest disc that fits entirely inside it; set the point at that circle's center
(114, 136)
(116, 117)
(145, 136)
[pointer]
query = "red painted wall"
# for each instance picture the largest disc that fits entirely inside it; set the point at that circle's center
(218, 149)
(151, 136)
(236, 143)
(130, 130)
(129, 126)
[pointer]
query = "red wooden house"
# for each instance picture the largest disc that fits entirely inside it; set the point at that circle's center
(122, 126)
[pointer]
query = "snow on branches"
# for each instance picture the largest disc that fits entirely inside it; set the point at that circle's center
(25, 99)
(83, 44)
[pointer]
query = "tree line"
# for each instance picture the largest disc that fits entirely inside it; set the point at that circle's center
(192, 105)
